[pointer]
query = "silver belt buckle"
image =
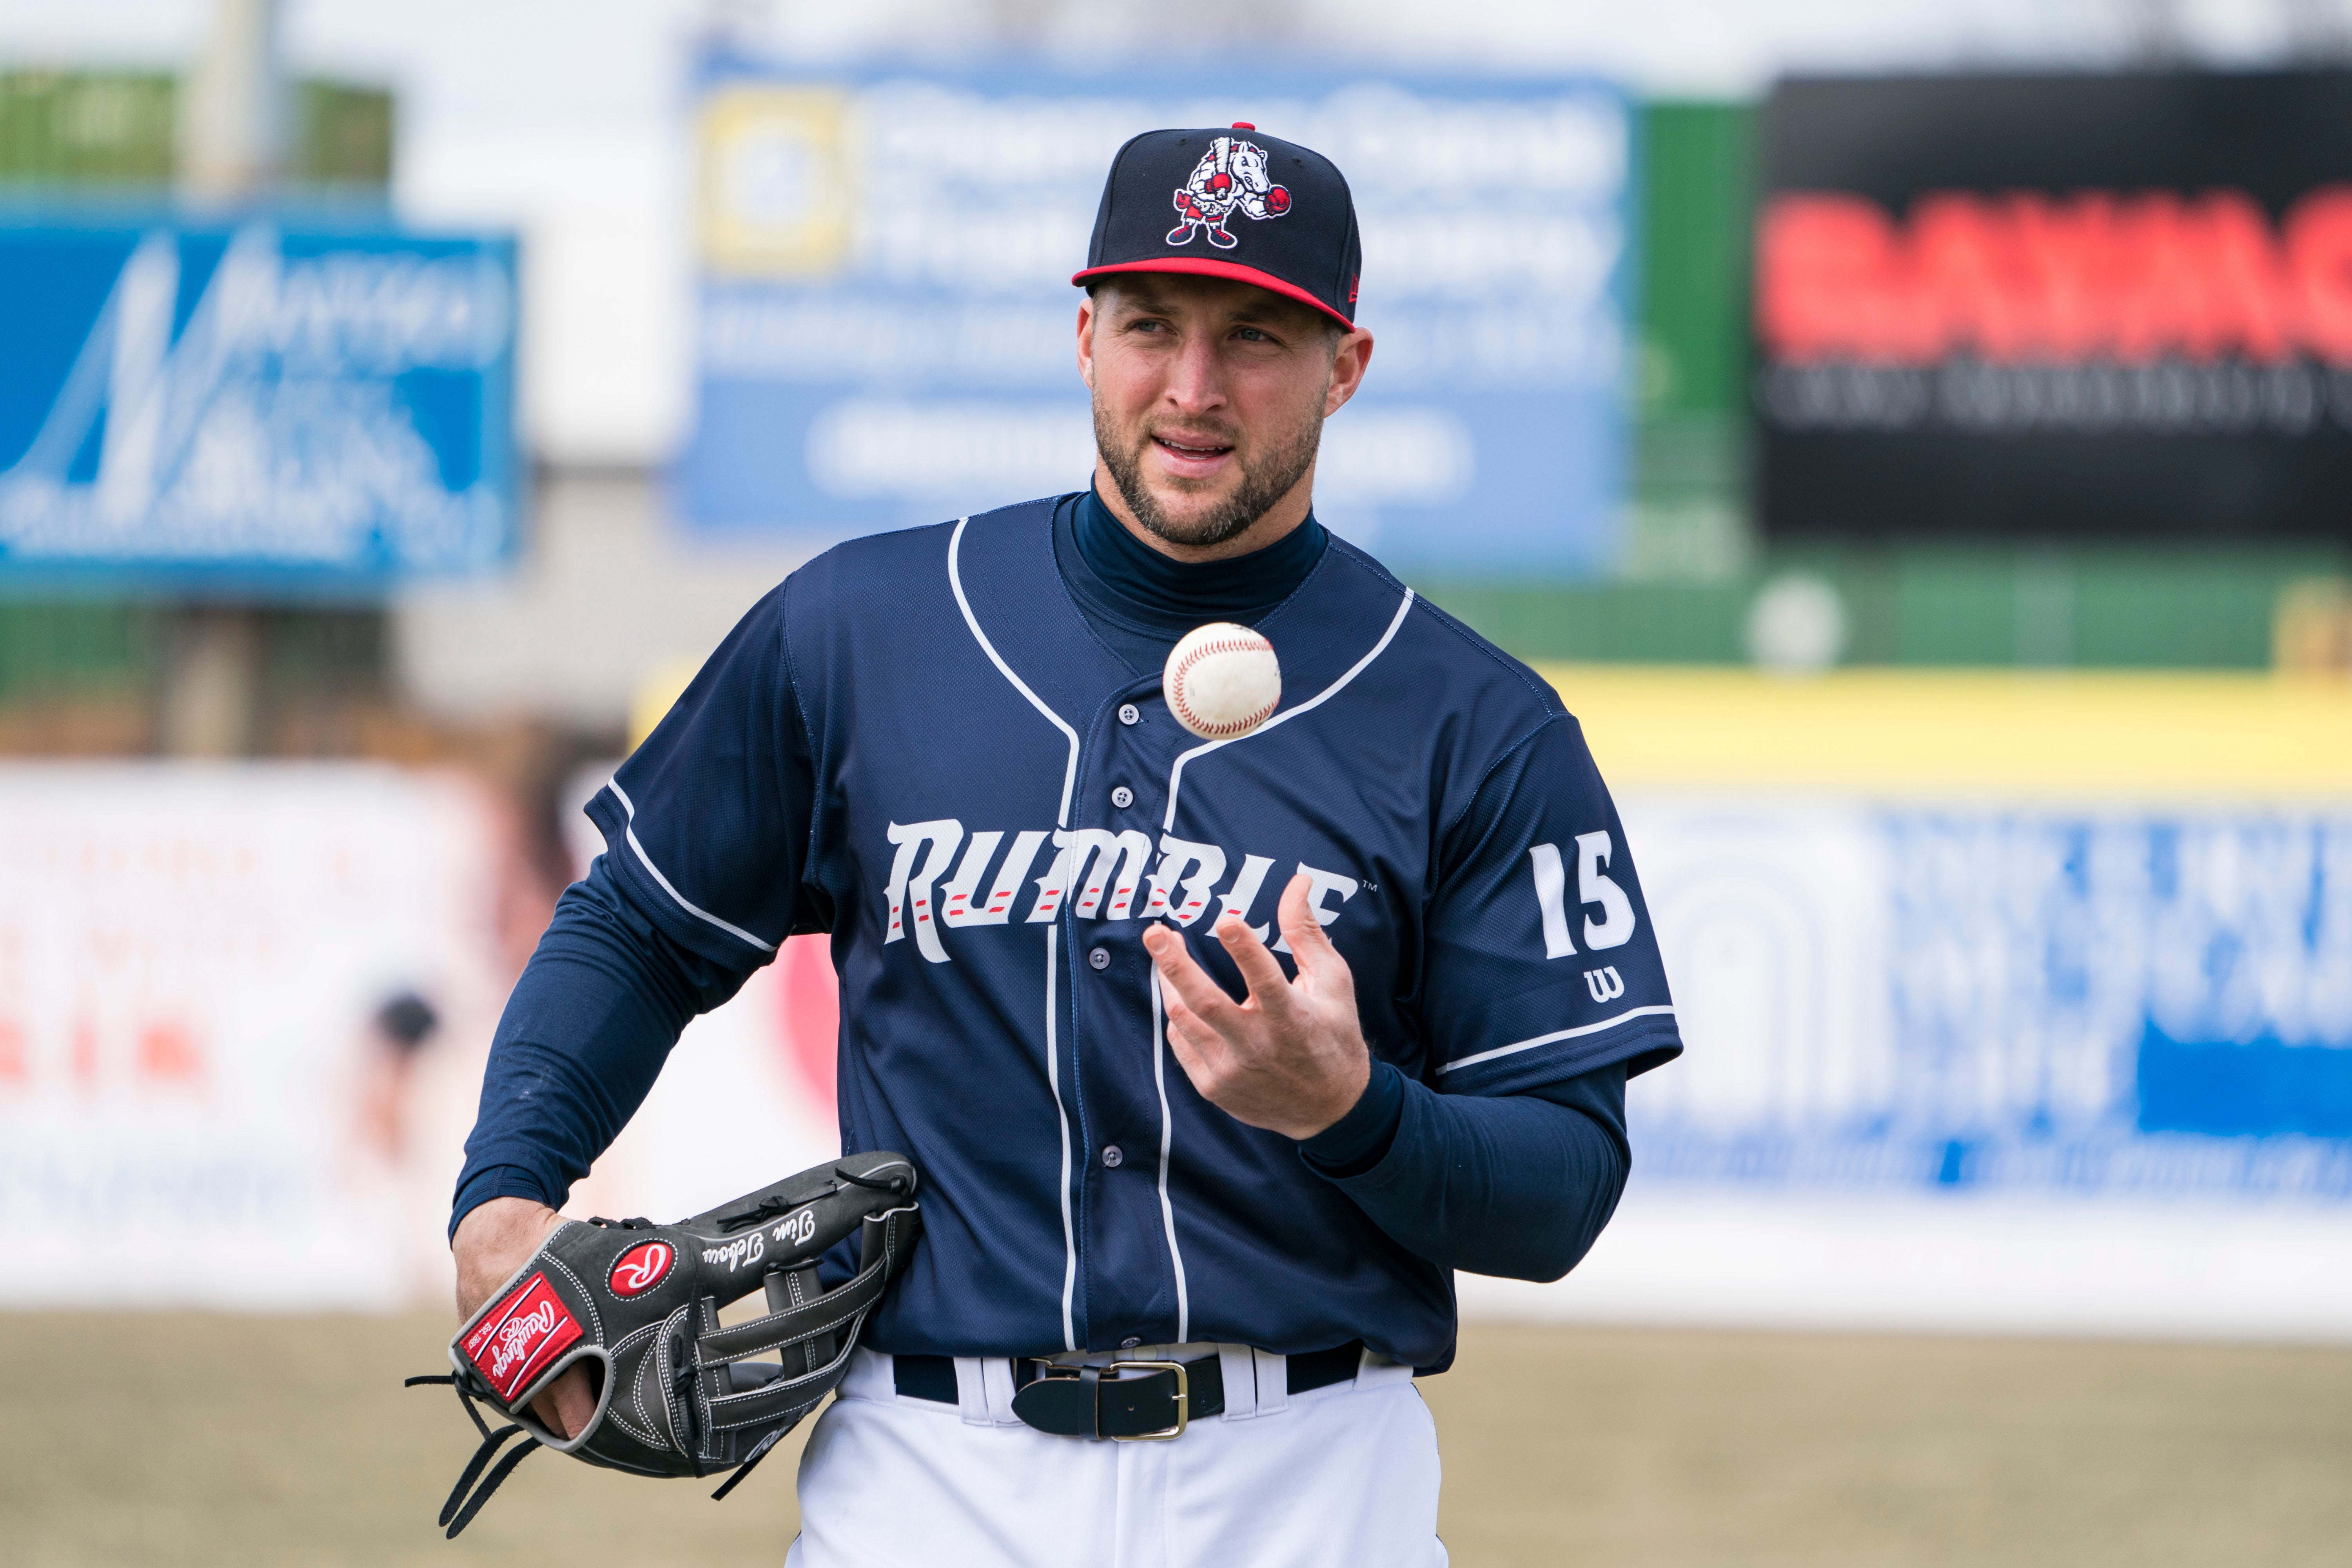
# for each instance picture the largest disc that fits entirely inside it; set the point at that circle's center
(1184, 1398)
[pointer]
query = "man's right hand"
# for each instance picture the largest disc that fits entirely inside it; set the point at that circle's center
(493, 1240)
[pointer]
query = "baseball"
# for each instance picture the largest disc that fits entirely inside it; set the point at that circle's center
(1222, 680)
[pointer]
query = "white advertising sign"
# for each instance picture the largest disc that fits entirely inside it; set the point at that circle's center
(195, 1106)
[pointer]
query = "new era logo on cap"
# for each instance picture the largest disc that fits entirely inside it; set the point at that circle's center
(1247, 207)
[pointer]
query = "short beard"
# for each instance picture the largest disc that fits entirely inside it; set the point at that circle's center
(1263, 484)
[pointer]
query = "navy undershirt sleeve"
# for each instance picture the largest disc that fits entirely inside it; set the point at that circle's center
(1517, 1185)
(716, 801)
(588, 1028)
(1360, 1139)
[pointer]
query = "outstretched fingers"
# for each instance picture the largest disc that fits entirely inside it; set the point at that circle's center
(1309, 943)
(1184, 981)
(1268, 986)
(1198, 1048)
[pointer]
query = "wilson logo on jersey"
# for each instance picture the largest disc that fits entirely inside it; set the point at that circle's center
(1096, 872)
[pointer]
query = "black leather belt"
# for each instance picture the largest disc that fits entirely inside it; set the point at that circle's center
(1127, 1400)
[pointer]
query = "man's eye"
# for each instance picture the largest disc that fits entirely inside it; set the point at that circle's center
(1252, 335)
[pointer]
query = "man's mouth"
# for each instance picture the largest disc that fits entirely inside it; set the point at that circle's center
(1195, 448)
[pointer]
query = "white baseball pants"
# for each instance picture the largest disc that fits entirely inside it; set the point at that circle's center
(1343, 1477)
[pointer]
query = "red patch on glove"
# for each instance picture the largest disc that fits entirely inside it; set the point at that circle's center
(642, 1268)
(517, 1338)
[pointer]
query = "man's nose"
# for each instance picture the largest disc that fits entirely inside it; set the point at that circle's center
(1196, 379)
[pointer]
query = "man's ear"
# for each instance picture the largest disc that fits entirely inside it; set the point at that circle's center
(1086, 341)
(1348, 362)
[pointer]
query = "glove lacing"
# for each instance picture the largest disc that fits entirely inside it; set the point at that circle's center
(452, 1516)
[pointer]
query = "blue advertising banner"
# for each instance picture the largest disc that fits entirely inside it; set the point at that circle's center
(885, 317)
(253, 404)
(2003, 998)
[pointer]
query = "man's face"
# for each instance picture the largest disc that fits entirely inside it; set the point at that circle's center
(1209, 398)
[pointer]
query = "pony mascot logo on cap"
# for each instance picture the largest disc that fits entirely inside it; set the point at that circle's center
(1230, 177)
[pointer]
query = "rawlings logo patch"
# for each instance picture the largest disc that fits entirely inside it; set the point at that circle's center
(642, 1268)
(517, 1338)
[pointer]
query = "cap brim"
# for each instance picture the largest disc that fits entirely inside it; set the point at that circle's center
(1200, 267)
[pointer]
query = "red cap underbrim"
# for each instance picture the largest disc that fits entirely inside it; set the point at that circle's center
(1201, 268)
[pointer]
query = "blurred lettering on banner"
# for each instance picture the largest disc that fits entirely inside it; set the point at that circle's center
(198, 1104)
(244, 1013)
(266, 401)
(2056, 307)
(1987, 998)
(885, 323)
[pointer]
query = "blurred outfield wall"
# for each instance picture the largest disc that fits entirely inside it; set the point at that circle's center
(2013, 1002)
(191, 957)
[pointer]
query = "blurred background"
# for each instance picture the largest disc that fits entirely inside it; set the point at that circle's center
(1916, 439)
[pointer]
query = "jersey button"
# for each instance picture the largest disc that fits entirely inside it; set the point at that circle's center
(1098, 959)
(1128, 713)
(1113, 1156)
(1122, 798)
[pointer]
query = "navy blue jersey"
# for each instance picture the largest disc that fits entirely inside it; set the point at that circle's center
(1000, 804)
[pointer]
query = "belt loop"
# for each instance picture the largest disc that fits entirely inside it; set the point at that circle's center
(1373, 1369)
(971, 1391)
(1273, 1383)
(1238, 1365)
(870, 1376)
(996, 1388)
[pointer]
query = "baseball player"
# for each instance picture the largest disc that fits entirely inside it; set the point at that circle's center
(1217, 1058)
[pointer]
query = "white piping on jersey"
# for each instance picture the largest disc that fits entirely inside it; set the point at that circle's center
(1175, 773)
(955, 581)
(630, 830)
(1167, 1141)
(1053, 1082)
(1052, 1067)
(1159, 1020)
(1555, 1034)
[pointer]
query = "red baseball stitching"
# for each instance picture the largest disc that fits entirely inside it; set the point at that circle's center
(1194, 721)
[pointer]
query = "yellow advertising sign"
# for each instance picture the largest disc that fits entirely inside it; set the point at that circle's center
(776, 190)
(1914, 734)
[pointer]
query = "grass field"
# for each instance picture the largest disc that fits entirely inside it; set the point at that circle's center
(136, 1438)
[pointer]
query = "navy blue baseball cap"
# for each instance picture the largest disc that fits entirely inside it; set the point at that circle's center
(1231, 204)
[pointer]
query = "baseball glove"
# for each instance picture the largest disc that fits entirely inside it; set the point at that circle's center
(676, 1394)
